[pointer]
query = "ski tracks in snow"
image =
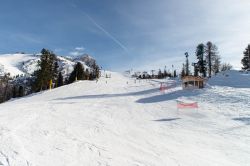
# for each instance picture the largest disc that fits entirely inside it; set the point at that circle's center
(13, 149)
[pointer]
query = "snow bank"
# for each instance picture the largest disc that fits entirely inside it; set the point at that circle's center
(232, 78)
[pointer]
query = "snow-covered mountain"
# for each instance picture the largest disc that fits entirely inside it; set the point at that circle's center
(127, 122)
(17, 63)
(22, 64)
(87, 59)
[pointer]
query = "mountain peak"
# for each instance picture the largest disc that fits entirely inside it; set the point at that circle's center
(86, 58)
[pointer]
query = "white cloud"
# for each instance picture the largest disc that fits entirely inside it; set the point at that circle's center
(80, 48)
(77, 51)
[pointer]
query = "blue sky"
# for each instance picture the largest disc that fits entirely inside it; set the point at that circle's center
(124, 34)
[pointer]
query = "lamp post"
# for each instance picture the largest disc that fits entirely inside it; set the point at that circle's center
(187, 63)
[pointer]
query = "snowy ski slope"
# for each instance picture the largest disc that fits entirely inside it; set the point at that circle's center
(117, 122)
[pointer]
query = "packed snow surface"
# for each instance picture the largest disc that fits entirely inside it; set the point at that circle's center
(118, 121)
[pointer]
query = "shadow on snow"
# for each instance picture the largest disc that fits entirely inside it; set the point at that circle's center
(152, 99)
(145, 92)
(166, 120)
(169, 96)
(245, 120)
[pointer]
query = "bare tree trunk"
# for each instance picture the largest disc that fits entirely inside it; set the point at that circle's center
(209, 63)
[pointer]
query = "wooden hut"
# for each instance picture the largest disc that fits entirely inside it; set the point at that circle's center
(192, 82)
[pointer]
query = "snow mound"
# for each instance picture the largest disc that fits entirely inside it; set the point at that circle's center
(231, 78)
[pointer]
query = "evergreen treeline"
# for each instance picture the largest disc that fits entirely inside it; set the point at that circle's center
(160, 75)
(48, 75)
(5, 88)
(246, 58)
(12, 87)
(208, 61)
(77, 74)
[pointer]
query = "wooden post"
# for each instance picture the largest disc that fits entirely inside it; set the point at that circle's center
(50, 84)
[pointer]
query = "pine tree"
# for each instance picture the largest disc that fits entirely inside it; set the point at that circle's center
(6, 80)
(208, 56)
(226, 66)
(14, 95)
(159, 74)
(55, 72)
(152, 73)
(246, 59)
(96, 70)
(21, 91)
(60, 80)
(46, 71)
(165, 74)
(175, 75)
(212, 57)
(196, 68)
(77, 73)
(91, 76)
(183, 71)
(201, 64)
(87, 74)
(216, 64)
(66, 80)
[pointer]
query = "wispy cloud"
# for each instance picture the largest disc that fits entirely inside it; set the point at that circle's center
(80, 48)
(25, 37)
(106, 32)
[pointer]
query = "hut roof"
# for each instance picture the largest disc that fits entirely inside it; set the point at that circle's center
(192, 78)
